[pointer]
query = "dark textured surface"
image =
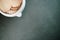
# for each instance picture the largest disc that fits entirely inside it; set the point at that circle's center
(40, 21)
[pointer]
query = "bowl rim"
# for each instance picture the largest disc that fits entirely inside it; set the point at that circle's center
(17, 13)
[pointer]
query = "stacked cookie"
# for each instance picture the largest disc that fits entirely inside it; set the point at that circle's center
(10, 6)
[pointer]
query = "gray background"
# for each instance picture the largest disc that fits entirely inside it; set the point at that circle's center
(40, 21)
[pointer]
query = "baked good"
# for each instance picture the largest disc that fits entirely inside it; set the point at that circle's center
(10, 6)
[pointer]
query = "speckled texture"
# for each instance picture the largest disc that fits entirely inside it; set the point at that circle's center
(40, 21)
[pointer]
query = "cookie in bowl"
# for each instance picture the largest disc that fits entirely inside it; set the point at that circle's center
(12, 8)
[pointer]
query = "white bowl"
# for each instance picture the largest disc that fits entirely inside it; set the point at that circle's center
(18, 13)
